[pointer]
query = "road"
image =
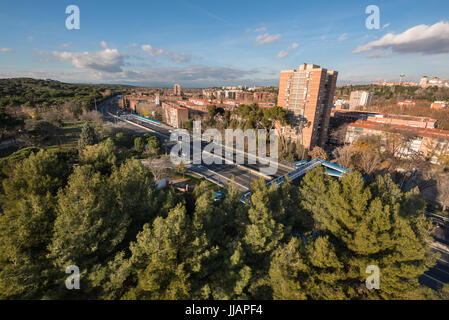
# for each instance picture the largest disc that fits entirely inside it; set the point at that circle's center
(223, 173)
(438, 275)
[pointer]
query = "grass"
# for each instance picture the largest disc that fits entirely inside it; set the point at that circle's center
(68, 136)
(64, 140)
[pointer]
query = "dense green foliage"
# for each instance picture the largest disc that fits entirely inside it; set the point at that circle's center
(253, 117)
(31, 92)
(133, 242)
(88, 137)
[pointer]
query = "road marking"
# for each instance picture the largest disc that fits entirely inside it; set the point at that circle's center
(433, 278)
(138, 125)
(216, 173)
(441, 270)
(439, 249)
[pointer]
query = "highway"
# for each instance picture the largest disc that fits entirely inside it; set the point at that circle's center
(438, 275)
(223, 173)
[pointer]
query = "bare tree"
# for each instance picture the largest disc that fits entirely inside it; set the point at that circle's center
(93, 116)
(369, 161)
(159, 167)
(318, 153)
(339, 134)
(343, 155)
(443, 191)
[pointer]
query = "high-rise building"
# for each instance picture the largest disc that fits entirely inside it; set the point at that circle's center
(307, 94)
(424, 81)
(360, 99)
(177, 90)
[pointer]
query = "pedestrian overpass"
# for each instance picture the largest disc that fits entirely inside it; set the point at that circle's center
(302, 167)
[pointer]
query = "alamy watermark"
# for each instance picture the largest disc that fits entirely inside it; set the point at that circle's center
(73, 20)
(73, 281)
(208, 148)
(372, 22)
(373, 280)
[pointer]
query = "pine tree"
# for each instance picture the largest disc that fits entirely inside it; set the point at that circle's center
(218, 228)
(29, 204)
(371, 225)
(262, 236)
(162, 257)
(88, 137)
(132, 185)
(89, 227)
(102, 157)
(139, 145)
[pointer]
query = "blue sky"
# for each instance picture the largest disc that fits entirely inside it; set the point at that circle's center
(212, 43)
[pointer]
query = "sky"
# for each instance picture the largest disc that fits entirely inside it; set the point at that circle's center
(218, 43)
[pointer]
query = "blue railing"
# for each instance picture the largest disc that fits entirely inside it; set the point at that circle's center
(302, 167)
(147, 119)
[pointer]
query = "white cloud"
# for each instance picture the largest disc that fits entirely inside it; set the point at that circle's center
(379, 54)
(107, 60)
(190, 73)
(153, 51)
(256, 30)
(284, 53)
(386, 25)
(6, 50)
(266, 38)
(191, 76)
(262, 29)
(343, 37)
(423, 39)
(65, 45)
(176, 57)
(180, 57)
(104, 45)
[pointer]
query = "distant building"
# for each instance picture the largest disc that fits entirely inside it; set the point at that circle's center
(175, 115)
(346, 116)
(424, 82)
(428, 142)
(406, 104)
(396, 83)
(177, 90)
(439, 105)
(434, 82)
(360, 99)
(307, 94)
(341, 105)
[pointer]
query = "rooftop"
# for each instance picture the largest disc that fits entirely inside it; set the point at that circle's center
(422, 132)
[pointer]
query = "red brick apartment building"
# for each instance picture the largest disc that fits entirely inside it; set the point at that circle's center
(175, 115)
(307, 93)
(439, 105)
(391, 119)
(177, 91)
(427, 141)
(406, 104)
(192, 106)
(134, 100)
